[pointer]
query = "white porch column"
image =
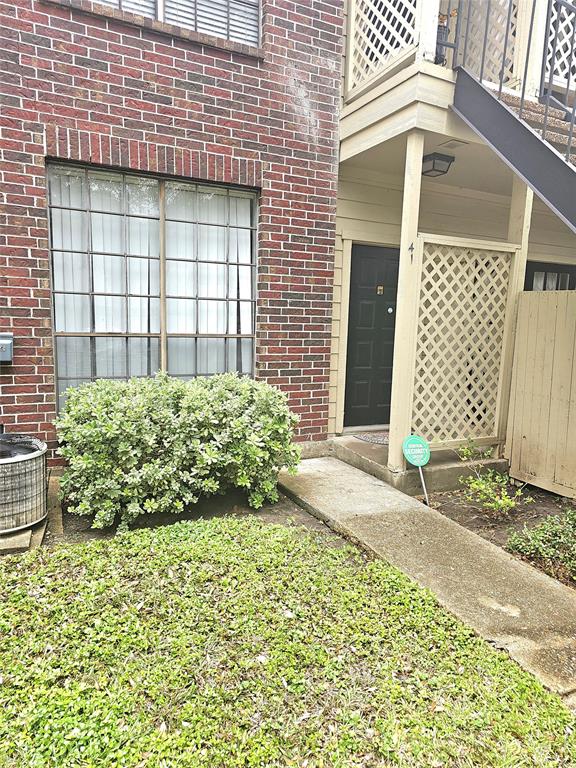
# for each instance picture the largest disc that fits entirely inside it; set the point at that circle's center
(518, 232)
(406, 304)
(536, 52)
(427, 28)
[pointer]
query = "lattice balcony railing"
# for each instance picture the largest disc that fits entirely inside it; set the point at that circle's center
(560, 54)
(460, 338)
(380, 30)
(488, 34)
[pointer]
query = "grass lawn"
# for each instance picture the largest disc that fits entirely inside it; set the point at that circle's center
(232, 642)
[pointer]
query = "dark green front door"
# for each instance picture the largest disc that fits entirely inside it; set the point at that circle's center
(371, 320)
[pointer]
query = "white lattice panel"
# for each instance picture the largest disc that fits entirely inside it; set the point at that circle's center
(460, 337)
(475, 18)
(564, 58)
(381, 29)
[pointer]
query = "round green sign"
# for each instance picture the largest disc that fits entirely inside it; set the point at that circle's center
(416, 450)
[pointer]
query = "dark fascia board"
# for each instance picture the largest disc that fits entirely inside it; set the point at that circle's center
(542, 168)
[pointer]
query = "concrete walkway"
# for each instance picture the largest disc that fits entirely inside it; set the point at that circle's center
(506, 601)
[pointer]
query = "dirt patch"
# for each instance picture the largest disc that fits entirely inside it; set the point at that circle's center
(64, 527)
(494, 526)
(497, 527)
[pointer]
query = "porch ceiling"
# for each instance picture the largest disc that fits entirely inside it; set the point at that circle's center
(476, 166)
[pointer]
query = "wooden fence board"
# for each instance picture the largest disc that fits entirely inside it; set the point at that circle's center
(541, 441)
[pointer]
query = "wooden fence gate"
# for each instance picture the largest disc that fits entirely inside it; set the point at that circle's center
(541, 437)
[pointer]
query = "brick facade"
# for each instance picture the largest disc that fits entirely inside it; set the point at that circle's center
(87, 83)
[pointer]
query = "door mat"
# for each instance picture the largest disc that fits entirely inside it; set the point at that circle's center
(379, 438)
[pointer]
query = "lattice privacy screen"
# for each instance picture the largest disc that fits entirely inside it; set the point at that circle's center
(381, 29)
(490, 21)
(460, 336)
(563, 19)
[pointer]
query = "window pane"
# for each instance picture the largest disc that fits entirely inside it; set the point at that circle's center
(110, 314)
(71, 313)
(240, 356)
(538, 282)
(70, 271)
(142, 196)
(240, 317)
(145, 8)
(231, 19)
(143, 277)
(180, 316)
(143, 356)
(64, 386)
(212, 17)
(240, 282)
(563, 281)
(105, 192)
(181, 278)
(551, 281)
(211, 317)
(212, 280)
(180, 240)
(110, 358)
(109, 274)
(211, 243)
(212, 204)
(181, 202)
(107, 232)
(143, 315)
(73, 356)
(143, 237)
(241, 210)
(65, 187)
(182, 357)
(211, 356)
(68, 230)
(244, 22)
(180, 12)
(240, 245)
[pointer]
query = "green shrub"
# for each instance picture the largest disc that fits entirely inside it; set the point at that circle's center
(491, 490)
(486, 487)
(159, 444)
(551, 544)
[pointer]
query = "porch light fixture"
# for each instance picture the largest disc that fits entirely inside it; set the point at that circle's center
(436, 164)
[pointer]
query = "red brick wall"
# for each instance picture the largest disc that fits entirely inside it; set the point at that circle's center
(102, 89)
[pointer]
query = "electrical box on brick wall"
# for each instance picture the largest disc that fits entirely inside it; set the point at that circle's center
(6, 347)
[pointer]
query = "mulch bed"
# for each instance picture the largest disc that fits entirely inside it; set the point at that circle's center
(497, 527)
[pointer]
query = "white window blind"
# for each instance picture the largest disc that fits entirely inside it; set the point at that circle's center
(145, 8)
(237, 20)
(113, 238)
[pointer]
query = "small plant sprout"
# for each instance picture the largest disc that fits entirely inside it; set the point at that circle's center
(487, 487)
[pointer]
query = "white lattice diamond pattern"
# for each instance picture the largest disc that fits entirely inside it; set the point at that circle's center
(459, 342)
(381, 28)
(564, 56)
(475, 17)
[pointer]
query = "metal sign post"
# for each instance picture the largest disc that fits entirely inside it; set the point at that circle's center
(417, 452)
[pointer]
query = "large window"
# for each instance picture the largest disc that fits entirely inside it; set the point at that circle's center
(232, 19)
(149, 274)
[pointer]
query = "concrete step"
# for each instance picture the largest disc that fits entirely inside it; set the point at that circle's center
(13, 543)
(533, 106)
(535, 115)
(22, 541)
(442, 474)
(509, 603)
